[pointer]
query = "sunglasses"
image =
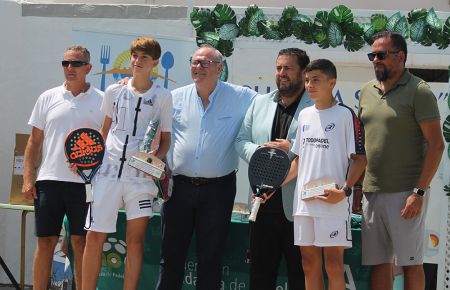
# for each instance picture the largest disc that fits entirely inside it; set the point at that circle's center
(380, 54)
(73, 63)
(204, 63)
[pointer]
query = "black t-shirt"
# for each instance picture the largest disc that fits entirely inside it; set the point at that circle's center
(280, 127)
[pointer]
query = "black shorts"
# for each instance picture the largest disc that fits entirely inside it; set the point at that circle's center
(56, 199)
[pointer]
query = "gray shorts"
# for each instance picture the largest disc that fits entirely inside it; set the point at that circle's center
(386, 236)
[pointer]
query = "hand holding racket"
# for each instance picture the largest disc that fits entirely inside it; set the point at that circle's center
(85, 149)
(267, 170)
(264, 198)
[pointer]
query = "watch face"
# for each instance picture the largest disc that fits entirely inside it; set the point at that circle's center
(419, 191)
(347, 190)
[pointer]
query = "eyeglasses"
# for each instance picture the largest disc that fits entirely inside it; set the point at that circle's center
(204, 63)
(73, 63)
(380, 54)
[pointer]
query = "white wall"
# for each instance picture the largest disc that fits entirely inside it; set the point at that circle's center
(32, 48)
(439, 5)
(30, 53)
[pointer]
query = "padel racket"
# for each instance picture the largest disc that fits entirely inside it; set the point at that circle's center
(267, 170)
(85, 148)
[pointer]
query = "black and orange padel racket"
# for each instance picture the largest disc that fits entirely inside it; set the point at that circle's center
(85, 148)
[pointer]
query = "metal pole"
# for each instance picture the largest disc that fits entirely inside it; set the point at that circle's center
(22, 248)
(9, 274)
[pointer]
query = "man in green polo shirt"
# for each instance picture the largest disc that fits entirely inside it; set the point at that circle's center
(404, 147)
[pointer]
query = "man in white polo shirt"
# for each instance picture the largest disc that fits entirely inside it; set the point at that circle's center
(55, 189)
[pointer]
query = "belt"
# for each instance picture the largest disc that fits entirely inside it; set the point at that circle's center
(198, 181)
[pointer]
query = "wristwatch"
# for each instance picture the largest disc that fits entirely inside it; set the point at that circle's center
(419, 191)
(347, 190)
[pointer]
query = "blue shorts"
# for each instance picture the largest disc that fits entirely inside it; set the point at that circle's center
(56, 199)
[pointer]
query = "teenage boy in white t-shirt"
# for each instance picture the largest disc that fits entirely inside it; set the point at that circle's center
(130, 112)
(329, 144)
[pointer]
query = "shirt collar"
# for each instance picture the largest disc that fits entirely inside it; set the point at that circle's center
(213, 94)
(404, 79)
(66, 91)
(277, 98)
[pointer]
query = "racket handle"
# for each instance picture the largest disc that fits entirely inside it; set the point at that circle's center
(255, 209)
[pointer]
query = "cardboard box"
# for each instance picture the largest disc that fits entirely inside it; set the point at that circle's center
(16, 196)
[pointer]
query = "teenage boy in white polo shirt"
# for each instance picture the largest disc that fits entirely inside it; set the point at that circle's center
(329, 144)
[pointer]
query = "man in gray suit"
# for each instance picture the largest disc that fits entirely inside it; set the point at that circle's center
(272, 235)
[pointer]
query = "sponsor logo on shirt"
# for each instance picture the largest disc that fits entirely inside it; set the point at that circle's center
(329, 127)
(317, 142)
(334, 234)
(148, 102)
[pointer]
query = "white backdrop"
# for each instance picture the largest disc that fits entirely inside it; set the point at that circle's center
(30, 53)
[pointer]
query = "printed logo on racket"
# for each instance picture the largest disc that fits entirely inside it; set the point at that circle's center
(267, 169)
(85, 146)
(272, 153)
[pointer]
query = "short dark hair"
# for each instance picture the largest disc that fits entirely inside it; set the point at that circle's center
(398, 41)
(324, 65)
(302, 57)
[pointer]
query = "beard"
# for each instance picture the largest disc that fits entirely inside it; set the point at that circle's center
(289, 90)
(382, 75)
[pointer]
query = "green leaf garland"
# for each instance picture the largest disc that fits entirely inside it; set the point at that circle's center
(335, 35)
(433, 21)
(218, 27)
(392, 21)
(378, 22)
(446, 129)
(341, 15)
(224, 14)
(228, 31)
(402, 27)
